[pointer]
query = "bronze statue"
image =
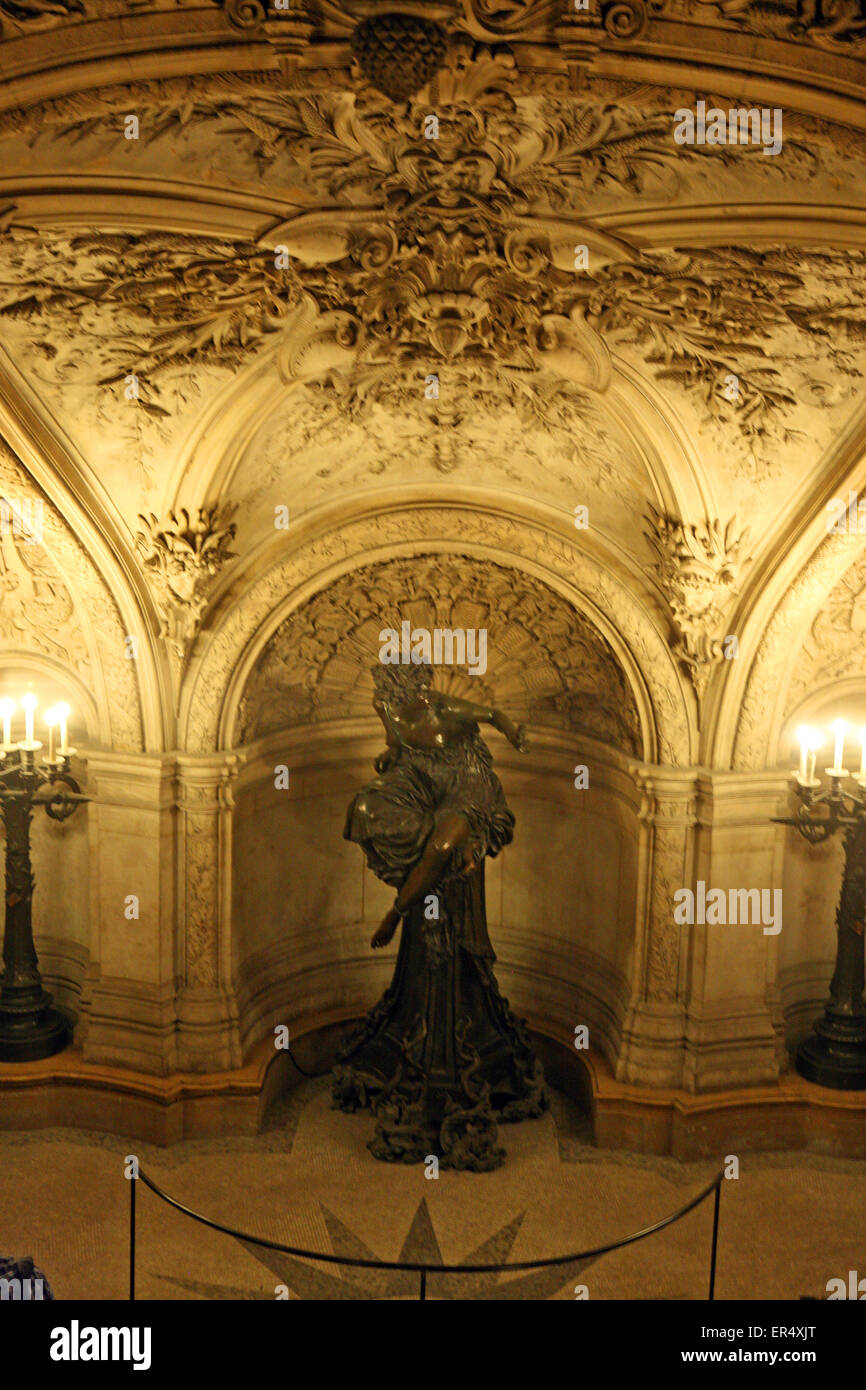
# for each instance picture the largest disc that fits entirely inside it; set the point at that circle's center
(440, 1057)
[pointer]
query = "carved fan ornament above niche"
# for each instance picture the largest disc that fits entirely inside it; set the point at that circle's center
(545, 662)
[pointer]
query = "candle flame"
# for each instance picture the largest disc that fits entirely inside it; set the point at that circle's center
(810, 737)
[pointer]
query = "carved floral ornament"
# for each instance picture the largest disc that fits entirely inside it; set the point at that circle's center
(182, 556)
(700, 569)
(473, 255)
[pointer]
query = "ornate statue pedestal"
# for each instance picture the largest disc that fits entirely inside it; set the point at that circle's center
(441, 1058)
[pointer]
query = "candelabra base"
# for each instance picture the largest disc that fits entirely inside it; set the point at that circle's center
(32, 1038)
(835, 1055)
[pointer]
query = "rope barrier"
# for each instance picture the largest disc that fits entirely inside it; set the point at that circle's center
(418, 1267)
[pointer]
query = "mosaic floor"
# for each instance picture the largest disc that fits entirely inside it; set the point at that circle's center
(788, 1224)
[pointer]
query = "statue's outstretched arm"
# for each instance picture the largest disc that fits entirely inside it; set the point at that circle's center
(471, 713)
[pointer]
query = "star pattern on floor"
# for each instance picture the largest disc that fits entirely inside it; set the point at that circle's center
(307, 1280)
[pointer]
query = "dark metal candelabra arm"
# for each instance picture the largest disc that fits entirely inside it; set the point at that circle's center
(836, 1054)
(30, 1027)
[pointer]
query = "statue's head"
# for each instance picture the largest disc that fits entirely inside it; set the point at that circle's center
(402, 685)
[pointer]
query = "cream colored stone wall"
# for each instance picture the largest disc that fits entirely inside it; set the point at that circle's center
(191, 629)
(560, 898)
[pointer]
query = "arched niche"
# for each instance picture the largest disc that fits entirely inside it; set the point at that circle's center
(821, 676)
(59, 616)
(561, 899)
(60, 852)
(251, 607)
(812, 638)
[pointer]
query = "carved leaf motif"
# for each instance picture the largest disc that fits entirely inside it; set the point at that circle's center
(201, 899)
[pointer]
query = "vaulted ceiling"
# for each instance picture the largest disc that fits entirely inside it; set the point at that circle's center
(241, 267)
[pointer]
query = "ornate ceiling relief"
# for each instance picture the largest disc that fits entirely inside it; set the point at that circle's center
(700, 569)
(54, 601)
(544, 660)
(750, 336)
(451, 250)
(127, 332)
(107, 305)
(435, 278)
(573, 453)
(836, 25)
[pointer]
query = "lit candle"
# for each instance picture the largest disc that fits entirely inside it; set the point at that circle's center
(840, 728)
(6, 709)
(803, 736)
(863, 755)
(51, 718)
(63, 715)
(29, 703)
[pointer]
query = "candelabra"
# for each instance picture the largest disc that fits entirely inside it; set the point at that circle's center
(30, 1027)
(835, 1055)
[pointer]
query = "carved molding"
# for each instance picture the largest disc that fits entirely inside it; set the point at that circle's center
(527, 546)
(836, 25)
(670, 846)
(206, 806)
(670, 820)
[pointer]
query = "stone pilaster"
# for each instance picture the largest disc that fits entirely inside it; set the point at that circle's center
(705, 1010)
(652, 1045)
(734, 1025)
(128, 996)
(208, 1038)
